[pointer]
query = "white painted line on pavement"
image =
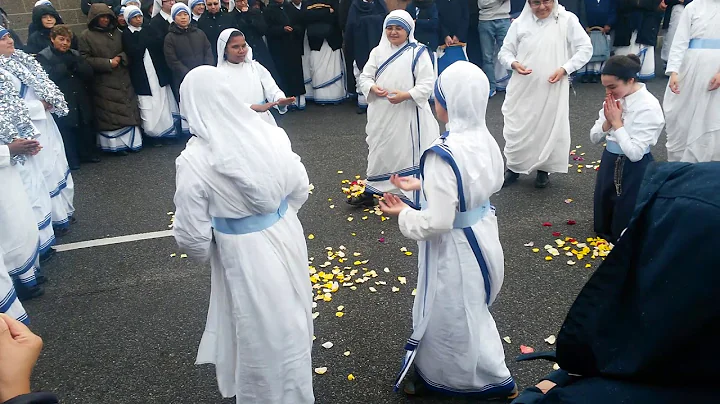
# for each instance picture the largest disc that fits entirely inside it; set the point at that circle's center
(112, 240)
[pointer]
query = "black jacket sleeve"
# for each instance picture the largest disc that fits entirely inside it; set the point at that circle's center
(34, 398)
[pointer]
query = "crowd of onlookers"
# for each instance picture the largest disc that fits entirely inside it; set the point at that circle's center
(103, 70)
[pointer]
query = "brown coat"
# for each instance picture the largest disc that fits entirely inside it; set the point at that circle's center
(186, 49)
(113, 95)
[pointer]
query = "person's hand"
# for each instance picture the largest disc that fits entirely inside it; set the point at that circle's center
(115, 62)
(46, 105)
(263, 107)
(520, 68)
(19, 350)
(379, 91)
(24, 146)
(285, 101)
(606, 29)
(674, 83)
(557, 76)
(613, 112)
(406, 183)
(545, 385)
(331, 10)
(396, 97)
(714, 82)
(455, 39)
(662, 6)
(392, 205)
(288, 28)
(448, 41)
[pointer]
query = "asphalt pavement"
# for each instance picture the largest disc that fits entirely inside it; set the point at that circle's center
(122, 323)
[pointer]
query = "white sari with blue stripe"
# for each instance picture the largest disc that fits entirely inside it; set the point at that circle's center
(19, 236)
(455, 345)
(397, 134)
(9, 302)
(52, 160)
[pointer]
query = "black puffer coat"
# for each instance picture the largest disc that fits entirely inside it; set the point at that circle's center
(186, 49)
(40, 38)
(113, 95)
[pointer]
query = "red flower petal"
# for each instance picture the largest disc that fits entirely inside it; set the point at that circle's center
(556, 234)
(526, 349)
(547, 224)
(381, 239)
(571, 222)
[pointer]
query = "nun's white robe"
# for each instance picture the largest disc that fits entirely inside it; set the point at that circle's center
(458, 348)
(259, 326)
(252, 81)
(397, 133)
(19, 236)
(53, 163)
(157, 111)
(9, 302)
(693, 116)
(536, 112)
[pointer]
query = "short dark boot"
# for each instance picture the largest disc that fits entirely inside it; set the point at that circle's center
(510, 177)
(542, 180)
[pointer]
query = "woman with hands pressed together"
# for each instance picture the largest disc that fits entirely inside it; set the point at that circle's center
(397, 81)
(543, 45)
(235, 60)
(455, 346)
(630, 122)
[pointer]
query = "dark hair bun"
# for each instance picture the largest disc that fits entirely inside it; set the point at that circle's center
(634, 58)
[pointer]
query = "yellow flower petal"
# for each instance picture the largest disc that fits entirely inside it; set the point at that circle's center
(346, 353)
(408, 253)
(339, 314)
(402, 280)
(535, 250)
(548, 258)
(414, 292)
(351, 377)
(395, 289)
(372, 289)
(311, 236)
(340, 171)
(387, 270)
(183, 255)
(507, 339)
(173, 255)
(340, 308)
(350, 219)
(321, 371)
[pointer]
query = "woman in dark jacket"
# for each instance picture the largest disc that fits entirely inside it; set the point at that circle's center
(186, 47)
(73, 75)
(213, 22)
(427, 22)
(251, 22)
(44, 18)
(636, 31)
(117, 117)
(285, 42)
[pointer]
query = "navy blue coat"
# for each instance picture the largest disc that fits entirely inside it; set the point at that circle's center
(454, 19)
(600, 14)
(427, 23)
(364, 29)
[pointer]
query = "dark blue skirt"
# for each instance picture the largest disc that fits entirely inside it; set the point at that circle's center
(616, 190)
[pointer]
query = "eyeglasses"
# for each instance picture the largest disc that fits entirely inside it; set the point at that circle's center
(537, 3)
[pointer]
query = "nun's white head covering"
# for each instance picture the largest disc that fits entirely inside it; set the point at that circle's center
(178, 8)
(43, 3)
(526, 16)
(129, 13)
(462, 90)
(193, 3)
(131, 2)
(250, 152)
(402, 19)
(222, 43)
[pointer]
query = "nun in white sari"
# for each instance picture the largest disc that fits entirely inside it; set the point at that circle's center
(455, 345)
(239, 187)
(158, 108)
(253, 83)
(42, 96)
(543, 46)
(397, 80)
(692, 99)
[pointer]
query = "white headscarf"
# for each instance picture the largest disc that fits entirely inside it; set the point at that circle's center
(398, 17)
(527, 16)
(231, 5)
(222, 43)
(129, 13)
(43, 3)
(178, 8)
(244, 148)
(462, 89)
(127, 3)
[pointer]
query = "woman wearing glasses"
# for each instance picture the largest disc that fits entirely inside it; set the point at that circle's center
(543, 45)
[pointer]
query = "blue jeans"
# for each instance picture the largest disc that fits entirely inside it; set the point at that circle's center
(492, 34)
